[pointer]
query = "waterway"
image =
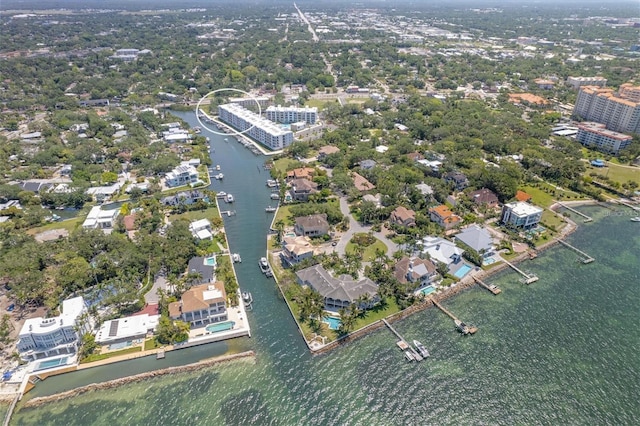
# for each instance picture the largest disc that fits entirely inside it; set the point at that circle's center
(564, 350)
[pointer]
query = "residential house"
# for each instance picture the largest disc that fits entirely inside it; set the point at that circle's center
(361, 183)
(425, 190)
(415, 270)
(484, 197)
(415, 156)
(301, 173)
(126, 329)
(301, 189)
(201, 305)
(327, 150)
(458, 179)
(403, 216)
(205, 267)
(339, 292)
(544, 83)
(367, 164)
(314, 225)
(101, 219)
(35, 185)
(444, 217)
(185, 198)
(184, 174)
(478, 239)
(433, 165)
(441, 250)
(523, 196)
(201, 229)
(103, 193)
(41, 338)
(375, 199)
(295, 250)
(521, 215)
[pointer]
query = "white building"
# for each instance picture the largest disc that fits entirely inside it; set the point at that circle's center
(126, 329)
(263, 101)
(184, 174)
(441, 250)
(595, 135)
(201, 229)
(288, 115)
(262, 130)
(42, 338)
(521, 215)
(100, 219)
(619, 112)
(577, 82)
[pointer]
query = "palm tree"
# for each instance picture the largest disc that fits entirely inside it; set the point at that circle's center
(279, 226)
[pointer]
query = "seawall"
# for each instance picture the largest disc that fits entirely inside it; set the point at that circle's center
(137, 378)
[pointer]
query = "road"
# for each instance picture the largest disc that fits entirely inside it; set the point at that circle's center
(306, 21)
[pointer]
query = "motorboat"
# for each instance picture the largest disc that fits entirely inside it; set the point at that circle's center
(275, 196)
(264, 264)
(217, 166)
(635, 219)
(229, 198)
(272, 183)
(247, 297)
(270, 209)
(219, 176)
(236, 258)
(221, 194)
(409, 356)
(421, 349)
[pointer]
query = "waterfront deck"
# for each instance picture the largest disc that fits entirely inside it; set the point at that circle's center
(465, 329)
(402, 343)
(586, 258)
(492, 288)
(527, 278)
(571, 209)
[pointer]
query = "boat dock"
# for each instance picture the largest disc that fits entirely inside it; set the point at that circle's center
(586, 257)
(492, 288)
(403, 345)
(632, 207)
(528, 278)
(586, 218)
(462, 327)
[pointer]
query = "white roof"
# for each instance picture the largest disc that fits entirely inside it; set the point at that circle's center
(200, 224)
(440, 249)
(523, 209)
(204, 234)
(123, 328)
(71, 310)
(382, 149)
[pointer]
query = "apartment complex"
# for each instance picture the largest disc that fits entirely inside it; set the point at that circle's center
(260, 129)
(619, 111)
(289, 115)
(577, 82)
(596, 135)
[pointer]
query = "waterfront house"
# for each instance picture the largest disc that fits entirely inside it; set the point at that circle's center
(301, 189)
(295, 250)
(440, 250)
(485, 197)
(521, 215)
(184, 174)
(201, 229)
(403, 216)
(201, 305)
(301, 173)
(444, 217)
(103, 193)
(478, 239)
(126, 329)
(339, 292)
(314, 225)
(101, 219)
(204, 269)
(415, 270)
(185, 198)
(361, 183)
(42, 338)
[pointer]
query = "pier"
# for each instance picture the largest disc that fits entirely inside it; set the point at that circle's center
(632, 207)
(586, 257)
(528, 278)
(462, 327)
(9, 413)
(586, 218)
(402, 344)
(492, 288)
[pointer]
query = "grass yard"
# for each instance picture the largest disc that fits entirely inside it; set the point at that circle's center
(617, 173)
(283, 214)
(550, 219)
(209, 213)
(70, 225)
(545, 199)
(98, 357)
(377, 313)
(319, 103)
(281, 165)
(151, 344)
(369, 252)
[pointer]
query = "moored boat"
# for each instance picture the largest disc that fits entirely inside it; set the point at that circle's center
(270, 209)
(409, 356)
(421, 349)
(236, 258)
(229, 198)
(635, 219)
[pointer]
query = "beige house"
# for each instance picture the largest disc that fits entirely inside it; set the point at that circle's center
(201, 305)
(403, 216)
(313, 225)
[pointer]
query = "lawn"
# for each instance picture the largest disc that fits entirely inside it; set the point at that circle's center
(369, 252)
(70, 225)
(283, 214)
(617, 173)
(151, 344)
(281, 165)
(98, 357)
(550, 219)
(545, 199)
(377, 313)
(209, 213)
(319, 103)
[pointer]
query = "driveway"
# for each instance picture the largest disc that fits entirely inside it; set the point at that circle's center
(355, 227)
(152, 295)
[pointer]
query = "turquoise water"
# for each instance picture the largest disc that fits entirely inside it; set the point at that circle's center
(334, 323)
(50, 363)
(562, 351)
(121, 345)
(210, 261)
(488, 261)
(462, 271)
(428, 290)
(222, 326)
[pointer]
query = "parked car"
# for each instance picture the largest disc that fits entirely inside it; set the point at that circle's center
(11, 307)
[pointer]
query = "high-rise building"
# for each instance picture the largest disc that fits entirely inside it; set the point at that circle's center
(260, 129)
(288, 115)
(595, 135)
(577, 82)
(616, 110)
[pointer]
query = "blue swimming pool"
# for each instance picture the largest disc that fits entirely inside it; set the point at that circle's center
(464, 270)
(210, 261)
(488, 261)
(221, 326)
(428, 290)
(50, 363)
(333, 322)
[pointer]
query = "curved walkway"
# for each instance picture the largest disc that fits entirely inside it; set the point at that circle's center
(355, 227)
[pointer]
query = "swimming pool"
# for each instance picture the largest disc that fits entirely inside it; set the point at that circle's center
(50, 363)
(333, 322)
(488, 261)
(221, 326)
(210, 261)
(121, 345)
(428, 290)
(464, 270)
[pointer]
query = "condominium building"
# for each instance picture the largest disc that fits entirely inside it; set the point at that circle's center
(262, 130)
(288, 115)
(521, 215)
(618, 113)
(577, 82)
(630, 92)
(595, 135)
(42, 338)
(251, 103)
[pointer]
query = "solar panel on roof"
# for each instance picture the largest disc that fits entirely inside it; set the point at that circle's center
(113, 329)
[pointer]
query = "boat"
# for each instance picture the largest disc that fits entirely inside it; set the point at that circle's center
(275, 196)
(197, 129)
(462, 327)
(270, 209)
(264, 265)
(221, 194)
(247, 297)
(236, 258)
(229, 198)
(272, 183)
(635, 219)
(409, 356)
(421, 349)
(217, 166)
(219, 176)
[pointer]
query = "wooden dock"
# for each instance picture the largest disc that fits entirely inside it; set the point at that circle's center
(402, 343)
(492, 288)
(528, 278)
(586, 218)
(586, 257)
(632, 207)
(460, 326)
